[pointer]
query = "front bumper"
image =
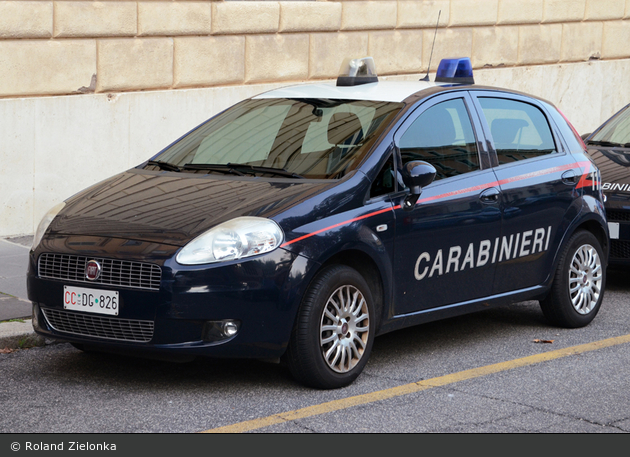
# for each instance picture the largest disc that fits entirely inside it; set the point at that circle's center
(262, 294)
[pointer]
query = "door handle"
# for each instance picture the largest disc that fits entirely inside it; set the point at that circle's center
(490, 195)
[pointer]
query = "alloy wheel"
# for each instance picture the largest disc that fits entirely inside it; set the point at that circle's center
(344, 329)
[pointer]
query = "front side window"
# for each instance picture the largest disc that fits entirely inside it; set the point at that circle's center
(385, 181)
(519, 130)
(443, 136)
(310, 138)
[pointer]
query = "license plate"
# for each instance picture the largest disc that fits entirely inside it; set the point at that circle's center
(90, 300)
(613, 228)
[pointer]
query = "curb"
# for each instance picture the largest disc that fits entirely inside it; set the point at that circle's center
(19, 334)
(14, 308)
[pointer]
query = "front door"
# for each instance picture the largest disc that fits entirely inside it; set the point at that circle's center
(442, 252)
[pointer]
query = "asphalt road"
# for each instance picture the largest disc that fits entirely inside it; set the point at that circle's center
(481, 373)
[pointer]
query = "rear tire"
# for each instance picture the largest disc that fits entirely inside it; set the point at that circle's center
(578, 285)
(334, 332)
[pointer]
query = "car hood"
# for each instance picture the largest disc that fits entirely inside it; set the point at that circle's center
(174, 208)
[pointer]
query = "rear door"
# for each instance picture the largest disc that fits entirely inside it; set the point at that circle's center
(537, 177)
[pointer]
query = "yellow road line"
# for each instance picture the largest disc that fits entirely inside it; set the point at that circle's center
(413, 387)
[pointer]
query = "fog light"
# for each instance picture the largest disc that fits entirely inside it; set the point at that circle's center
(230, 328)
(220, 330)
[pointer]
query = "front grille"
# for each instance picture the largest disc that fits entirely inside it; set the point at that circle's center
(617, 216)
(98, 326)
(123, 273)
(619, 249)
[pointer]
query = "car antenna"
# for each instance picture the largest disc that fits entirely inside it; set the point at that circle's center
(426, 78)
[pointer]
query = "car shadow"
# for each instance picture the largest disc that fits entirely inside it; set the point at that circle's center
(618, 278)
(120, 371)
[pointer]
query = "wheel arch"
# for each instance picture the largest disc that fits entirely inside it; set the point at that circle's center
(596, 229)
(591, 224)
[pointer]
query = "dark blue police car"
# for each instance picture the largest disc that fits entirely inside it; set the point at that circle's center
(609, 146)
(302, 223)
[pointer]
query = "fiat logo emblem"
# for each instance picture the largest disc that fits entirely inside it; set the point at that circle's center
(92, 270)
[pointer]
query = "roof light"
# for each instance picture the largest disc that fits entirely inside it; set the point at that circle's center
(457, 70)
(354, 72)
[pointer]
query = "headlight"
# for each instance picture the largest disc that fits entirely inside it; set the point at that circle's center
(235, 239)
(45, 222)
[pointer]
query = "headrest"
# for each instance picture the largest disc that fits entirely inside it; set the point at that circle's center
(504, 131)
(434, 128)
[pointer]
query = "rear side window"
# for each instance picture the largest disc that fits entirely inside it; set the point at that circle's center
(519, 130)
(443, 136)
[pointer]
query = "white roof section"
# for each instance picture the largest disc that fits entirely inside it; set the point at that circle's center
(382, 91)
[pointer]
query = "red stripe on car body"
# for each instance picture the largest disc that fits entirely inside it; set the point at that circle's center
(584, 182)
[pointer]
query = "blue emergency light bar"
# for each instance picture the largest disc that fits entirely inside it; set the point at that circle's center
(456, 71)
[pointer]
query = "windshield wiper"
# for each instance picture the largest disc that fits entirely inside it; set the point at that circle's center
(270, 170)
(164, 165)
(609, 144)
(241, 169)
(212, 167)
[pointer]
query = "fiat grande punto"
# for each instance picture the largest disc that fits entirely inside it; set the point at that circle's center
(302, 223)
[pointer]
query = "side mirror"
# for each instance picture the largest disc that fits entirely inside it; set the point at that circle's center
(416, 175)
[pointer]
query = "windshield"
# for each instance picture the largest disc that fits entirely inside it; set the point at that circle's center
(616, 132)
(314, 138)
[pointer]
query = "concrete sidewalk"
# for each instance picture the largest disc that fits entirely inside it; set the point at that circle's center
(16, 330)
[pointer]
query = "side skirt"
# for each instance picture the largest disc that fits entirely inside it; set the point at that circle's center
(457, 309)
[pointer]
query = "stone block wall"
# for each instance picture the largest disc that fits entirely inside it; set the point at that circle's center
(84, 46)
(91, 88)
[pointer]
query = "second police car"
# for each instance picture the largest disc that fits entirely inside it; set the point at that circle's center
(302, 223)
(609, 146)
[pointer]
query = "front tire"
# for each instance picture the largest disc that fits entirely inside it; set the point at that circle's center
(578, 286)
(334, 333)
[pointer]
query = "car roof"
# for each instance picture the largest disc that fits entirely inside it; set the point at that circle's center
(383, 91)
